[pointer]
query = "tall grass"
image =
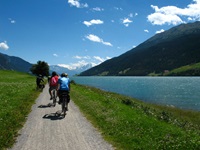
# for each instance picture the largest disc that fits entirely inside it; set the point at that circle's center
(17, 96)
(130, 124)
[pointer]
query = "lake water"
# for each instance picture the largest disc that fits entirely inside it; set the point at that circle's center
(181, 92)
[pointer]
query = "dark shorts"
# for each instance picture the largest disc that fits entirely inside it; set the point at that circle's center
(61, 93)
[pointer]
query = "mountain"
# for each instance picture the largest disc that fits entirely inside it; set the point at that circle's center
(18, 64)
(176, 47)
(59, 69)
(14, 63)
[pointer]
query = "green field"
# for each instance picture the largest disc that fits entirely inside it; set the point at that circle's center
(18, 94)
(123, 121)
(130, 124)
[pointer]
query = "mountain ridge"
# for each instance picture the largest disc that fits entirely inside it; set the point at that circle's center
(14, 63)
(18, 64)
(165, 51)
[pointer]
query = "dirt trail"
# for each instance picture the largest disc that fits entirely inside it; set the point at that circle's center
(45, 131)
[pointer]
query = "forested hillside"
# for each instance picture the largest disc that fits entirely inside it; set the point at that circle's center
(14, 63)
(174, 48)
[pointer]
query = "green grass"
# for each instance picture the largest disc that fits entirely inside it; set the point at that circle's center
(123, 121)
(130, 124)
(188, 70)
(18, 94)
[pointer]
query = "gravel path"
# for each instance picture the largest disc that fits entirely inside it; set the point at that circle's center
(45, 131)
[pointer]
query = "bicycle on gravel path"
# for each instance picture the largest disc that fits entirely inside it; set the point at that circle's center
(64, 99)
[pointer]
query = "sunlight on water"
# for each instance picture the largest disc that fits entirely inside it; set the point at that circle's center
(182, 92)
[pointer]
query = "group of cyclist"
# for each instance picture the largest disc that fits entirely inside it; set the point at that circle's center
(60, 84)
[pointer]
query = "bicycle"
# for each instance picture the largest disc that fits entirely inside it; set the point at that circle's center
(40, 86)
(65, 98)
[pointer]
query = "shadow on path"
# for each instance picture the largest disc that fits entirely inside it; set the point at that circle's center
(46, 106)
(54, 116)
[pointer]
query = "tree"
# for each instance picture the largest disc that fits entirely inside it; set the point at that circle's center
(41, 68)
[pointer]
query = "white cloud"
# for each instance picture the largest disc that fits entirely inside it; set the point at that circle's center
(118, 8)
(81, 57)
(95, 61)
(174, 15)
(4, 46)
(126, 21)
(99, 58)
(76, 65)
(160, 31)
(12, 21)
(55, 55)
(98, 9)
(77, 4)
(92, 22)
(107, 57)
(147, 31)
(130, 15)
(95, 38)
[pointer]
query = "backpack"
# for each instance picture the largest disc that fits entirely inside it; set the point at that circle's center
(53, 81)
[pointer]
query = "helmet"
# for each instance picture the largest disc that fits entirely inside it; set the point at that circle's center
(64, 75)
(54, 73)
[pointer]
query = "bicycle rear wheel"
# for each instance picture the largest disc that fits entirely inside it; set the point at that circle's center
(64, 106)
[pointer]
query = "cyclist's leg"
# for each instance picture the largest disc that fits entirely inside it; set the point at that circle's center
(50, 92)
(68, 100)
(59, 92)
(54, 96)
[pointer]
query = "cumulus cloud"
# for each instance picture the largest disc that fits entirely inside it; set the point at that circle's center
(174, 15)
(126, 21)
(77, 4)
(95, 60)
(73, 66)
(4, 46)
(160, 31)
(95, 38)
(79, 64)
(92, 22)
(147, 31)
(101, 59)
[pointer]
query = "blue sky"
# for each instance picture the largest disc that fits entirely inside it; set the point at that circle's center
(72, 33)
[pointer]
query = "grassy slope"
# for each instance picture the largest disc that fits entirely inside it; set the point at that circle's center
(130, 124)
(17, 96)
(188, 70)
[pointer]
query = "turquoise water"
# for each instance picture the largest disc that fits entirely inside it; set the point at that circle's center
(181, 92)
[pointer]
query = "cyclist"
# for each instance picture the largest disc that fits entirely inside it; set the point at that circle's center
(39, 79)
(63, 86)
(53, 83)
